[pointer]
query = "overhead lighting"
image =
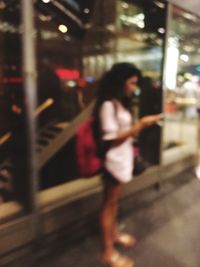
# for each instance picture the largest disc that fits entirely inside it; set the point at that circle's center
(188, 48)
(140, 24)
(125, 5)
(138, 20)
(189, 16)
(71, 83)
(86, 10)
(161, 30)
(46, 1)
(159, 4)
(184, 57)
(63, 28)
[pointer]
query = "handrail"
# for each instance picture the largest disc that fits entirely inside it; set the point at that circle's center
(47, 103)
(63, 137)
(5, 138)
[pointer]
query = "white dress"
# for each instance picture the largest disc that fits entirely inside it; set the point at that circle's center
(114, 118)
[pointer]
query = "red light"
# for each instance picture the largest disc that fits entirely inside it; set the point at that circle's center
(82, 83)
(67, 74)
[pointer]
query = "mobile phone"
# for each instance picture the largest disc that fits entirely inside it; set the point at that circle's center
(160, 122)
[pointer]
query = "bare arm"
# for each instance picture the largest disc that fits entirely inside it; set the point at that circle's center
(138, 127)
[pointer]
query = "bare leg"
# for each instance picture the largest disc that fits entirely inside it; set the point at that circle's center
(108, 217)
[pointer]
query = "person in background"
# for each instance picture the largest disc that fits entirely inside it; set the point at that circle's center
(112, 113)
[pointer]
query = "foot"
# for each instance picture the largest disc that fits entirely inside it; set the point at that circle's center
(118, 260)
(125, 240)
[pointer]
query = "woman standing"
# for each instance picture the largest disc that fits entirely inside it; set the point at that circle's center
(113, 116)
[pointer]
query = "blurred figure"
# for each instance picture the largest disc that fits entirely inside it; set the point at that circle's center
(113, 118)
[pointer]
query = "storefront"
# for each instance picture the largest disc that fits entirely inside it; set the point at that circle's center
(52, 54)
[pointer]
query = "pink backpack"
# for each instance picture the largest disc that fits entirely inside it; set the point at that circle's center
(89, 162)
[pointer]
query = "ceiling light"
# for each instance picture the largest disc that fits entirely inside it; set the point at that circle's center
(184, 57)
(86, 10)
(46, 1)
(161, 30)
(71, 83)
(63, 28)
(124, 5)
(140, 24)
(189, 16)
(159, 4)
(188, 48)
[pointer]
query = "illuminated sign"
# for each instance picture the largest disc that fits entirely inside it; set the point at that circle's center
(68, 74)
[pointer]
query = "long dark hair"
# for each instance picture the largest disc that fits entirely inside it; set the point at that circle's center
(111, 85)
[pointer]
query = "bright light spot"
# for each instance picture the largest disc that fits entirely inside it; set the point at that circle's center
(197, 170)
(71, 83)
(63, 28)
(188, 48)
(137, 92)
(171, 67)
(136, 20)
(161, 30)
(190, 16)
(188, 75)
(184, 57)
(86, 11)
(140, 16)
(159, 4)
(46, 1)
(140, 24)
(124, 5)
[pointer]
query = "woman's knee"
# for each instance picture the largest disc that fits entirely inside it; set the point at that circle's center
(113, 195)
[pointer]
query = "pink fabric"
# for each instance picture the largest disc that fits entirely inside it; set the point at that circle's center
(87, 158)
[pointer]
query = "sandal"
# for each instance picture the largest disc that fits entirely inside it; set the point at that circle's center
(118, 260)
(125, 240)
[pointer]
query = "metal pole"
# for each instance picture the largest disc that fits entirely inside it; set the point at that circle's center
(167, 34)
(30, 88)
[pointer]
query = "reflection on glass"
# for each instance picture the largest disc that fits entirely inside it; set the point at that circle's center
(94, 35)
(13, 146)
(182, 84)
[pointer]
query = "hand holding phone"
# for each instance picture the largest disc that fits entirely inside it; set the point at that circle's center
(152, 119)
(160, 122)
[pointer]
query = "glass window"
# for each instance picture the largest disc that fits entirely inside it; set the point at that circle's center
(13, 145)
(76, 42)
(140, 40)
(182, 86)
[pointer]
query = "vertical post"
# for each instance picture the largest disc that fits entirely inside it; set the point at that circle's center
(168, 26)
(30, 88)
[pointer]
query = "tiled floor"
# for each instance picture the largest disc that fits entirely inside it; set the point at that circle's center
(166, 224)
